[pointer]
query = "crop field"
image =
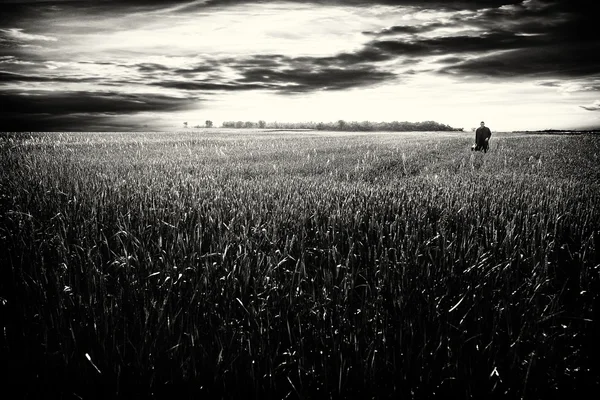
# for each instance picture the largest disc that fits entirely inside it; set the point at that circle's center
(299, 265)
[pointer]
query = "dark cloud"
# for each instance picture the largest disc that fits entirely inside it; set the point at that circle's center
(210, 86)
(8, 77)
(452, 5)
(451, 60)
(557, 20)
(585, 84)
(308, 79)
(550, 61)
(288, 81)
(549, 84)
(362, 56)
(500, 40)
(195, 70)
(283, 74)
(532, 38)
(595, 106)
(56, 111)
(408, 29)
(62, 103)
(14, 41)
(269, 72)
(151, 67)
(593, 86)
(11, 122)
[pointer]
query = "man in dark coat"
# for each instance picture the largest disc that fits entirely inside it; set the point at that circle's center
(482, 138)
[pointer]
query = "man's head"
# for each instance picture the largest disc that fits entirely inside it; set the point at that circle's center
(482, 124)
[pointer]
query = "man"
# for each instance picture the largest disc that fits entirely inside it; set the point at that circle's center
(482, 138)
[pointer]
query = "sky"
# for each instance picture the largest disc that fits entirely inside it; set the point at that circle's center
(153, 65)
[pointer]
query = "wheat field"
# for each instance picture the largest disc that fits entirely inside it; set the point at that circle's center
(255, 264)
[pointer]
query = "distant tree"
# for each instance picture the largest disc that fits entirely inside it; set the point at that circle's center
(355, 126)
(185, 125)
(366, 126)
(341, 125)
(209, 123)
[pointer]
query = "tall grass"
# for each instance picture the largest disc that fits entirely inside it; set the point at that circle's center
(300, 266)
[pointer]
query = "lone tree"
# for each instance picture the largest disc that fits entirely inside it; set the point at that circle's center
(185, 125)
(209, 123)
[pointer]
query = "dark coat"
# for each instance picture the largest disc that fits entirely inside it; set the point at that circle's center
(481, 134)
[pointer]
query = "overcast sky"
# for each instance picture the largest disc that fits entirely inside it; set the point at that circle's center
(133, 65)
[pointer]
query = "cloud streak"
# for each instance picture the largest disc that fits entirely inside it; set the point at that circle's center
(558, 60)
(285, 75)
(17, 35)
(47, 111)
(595, 106)
(63, 103)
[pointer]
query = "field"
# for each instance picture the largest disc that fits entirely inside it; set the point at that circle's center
(237, 264)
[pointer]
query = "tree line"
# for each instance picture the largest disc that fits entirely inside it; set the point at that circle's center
(341, 125)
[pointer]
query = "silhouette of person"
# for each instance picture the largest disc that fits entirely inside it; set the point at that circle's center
(482, 138)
